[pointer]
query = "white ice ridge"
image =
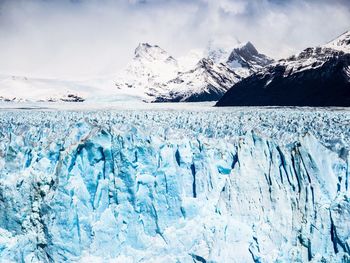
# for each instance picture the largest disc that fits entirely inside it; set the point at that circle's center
(174, 186)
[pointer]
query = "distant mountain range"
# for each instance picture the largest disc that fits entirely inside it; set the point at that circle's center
(240, 76)
(159, 77)
(318, 76)
(152, 75)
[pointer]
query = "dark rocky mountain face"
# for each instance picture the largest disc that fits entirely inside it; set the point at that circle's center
(327, 85)
(249, 57)
(316, 77)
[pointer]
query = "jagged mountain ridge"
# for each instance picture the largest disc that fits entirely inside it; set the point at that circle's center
(341, 43)
(247, 56)
(153, 75)
(317, 76)
(208, 80)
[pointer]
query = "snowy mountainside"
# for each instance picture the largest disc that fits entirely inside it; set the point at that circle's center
(206, 82)
(154, 186)
(150, 65)
(341, 43)
(19, 88)
(189, 61)
(152, 75)
(158, 77)
(218, 50)
(213, 75)
(245, 59)
(315, 57)
(317, 76)
(31, 89)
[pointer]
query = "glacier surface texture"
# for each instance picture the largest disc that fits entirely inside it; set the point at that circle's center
(175, 186)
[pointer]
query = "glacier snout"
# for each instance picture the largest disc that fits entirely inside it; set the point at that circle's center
(117, 191)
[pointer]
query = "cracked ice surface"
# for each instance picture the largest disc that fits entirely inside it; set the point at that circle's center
(175, 186)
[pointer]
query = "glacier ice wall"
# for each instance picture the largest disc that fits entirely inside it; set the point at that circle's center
(217, 186)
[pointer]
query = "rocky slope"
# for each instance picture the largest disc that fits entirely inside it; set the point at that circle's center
(247, 60)
(318, 76)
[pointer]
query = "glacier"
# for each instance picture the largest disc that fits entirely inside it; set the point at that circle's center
(216, 185)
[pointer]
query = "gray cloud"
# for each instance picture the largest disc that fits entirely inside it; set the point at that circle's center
(70, 38)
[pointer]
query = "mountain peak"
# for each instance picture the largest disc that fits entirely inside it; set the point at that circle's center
(247, 55)
(246, 47)
(146, 48)
(205, 63)
(151, 53)
(341, 43)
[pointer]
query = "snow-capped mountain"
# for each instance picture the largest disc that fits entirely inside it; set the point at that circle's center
(245, 59)
(151, 64)
(318, 76)
(20, 88)
(150, 67)
(208, 81)
(219, 51)
(31, 89)
(212, 76)
(341, 43)
(153, 75)
(144, 76)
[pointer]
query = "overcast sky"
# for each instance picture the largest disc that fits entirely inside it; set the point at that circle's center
(75, 38)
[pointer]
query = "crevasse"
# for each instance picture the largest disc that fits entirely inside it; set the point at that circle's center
(174, 187)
